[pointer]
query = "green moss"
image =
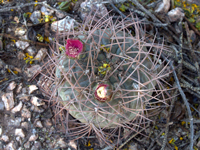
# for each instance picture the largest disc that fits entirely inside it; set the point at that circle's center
(197, 25)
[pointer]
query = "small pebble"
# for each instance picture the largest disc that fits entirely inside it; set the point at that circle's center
(22, 45)
(36, 101)
(46, 11)
(64, 24)
(20, 31)
(32, 70)
(38, 124)
(176, 14)
(2, 106)
(36, 17)
(25, 112)
(8, 100)
(163, 6)
(10, 146)
(19, 139)
(41, 54)
(27, 145)
(31, 51)
(24, 125)
(33, 138)
(11, 86)
(14, 122)
(19, 88)
(17, 108)
(61, 143)
(20, 133)
(5, 138)
(32, 88)
(36, 146)
(36, 109)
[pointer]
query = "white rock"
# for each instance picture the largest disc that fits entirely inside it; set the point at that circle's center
(36, 101)
(19, 139)
(1, 130)
(72, 144)
(32, 88)
(33, 138)
(163, 7)
(46, 11)
(27, 145)
(65, 24)
(8, 100)
(17, 108)
(20, 31)
(20, 133)
(14, 122)
(38, 124)
(10, 146)
(19, 88)
(35, 17)
(24, 125)
(41, 54)
(61, 143)
(31, 50)
(2, 106)
(33, 70)
(25, 113)
(5, 138)
(92, 5)
(36, 109)
(176, 14)
(11, 86)
(22, 45)
(9, 30)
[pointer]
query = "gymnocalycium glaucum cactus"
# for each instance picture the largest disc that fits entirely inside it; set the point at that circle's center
(107, 75)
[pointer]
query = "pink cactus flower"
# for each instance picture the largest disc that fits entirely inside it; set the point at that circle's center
(103, 92)
(73, 48)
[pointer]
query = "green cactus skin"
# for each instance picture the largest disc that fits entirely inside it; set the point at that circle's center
(113, 55)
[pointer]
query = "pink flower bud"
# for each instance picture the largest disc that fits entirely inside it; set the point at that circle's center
(73, 48)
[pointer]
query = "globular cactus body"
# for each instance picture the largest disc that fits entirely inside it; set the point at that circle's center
(110, 77)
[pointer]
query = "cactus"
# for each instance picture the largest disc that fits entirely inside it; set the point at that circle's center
(107, 75)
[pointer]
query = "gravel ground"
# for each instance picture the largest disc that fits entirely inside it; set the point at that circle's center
(28, 120)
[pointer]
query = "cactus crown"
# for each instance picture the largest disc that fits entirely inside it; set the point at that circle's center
(119, 77)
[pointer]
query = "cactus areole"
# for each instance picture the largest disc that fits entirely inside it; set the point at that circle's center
(73, 48)
(103, 92)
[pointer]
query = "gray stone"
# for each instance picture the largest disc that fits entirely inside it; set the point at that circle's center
(8, 100)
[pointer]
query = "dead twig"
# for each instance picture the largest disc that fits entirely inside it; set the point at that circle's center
(16, 38)
(193, 28)
(154, 18)
(185, 102)
(33, 3)
(22, 5)
(168, 119)
(122, 145)
(148, 22)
